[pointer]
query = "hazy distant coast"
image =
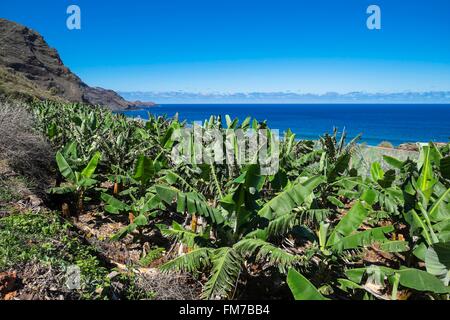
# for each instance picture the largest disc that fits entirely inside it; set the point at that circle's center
(183, 97)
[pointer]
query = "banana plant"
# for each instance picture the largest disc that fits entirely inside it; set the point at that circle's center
(345, 234)
(302, 288)
(383, 191)
(376, 279)
(78, 183)
(437, 261)
(429, 214)
(139, 201)
(139, 211)
(238, 229)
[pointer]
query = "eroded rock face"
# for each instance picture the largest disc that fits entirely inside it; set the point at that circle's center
(32, 68)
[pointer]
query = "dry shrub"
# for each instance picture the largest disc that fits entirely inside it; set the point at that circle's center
(386, 145)
(169, 286)
(24, 149)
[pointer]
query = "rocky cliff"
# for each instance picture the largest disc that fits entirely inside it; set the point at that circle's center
(30, 68)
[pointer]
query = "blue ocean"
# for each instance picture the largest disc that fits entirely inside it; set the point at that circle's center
(389, 122)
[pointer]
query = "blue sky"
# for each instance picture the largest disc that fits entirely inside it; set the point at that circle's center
(248, 45)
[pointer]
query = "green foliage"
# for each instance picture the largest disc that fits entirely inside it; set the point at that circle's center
(437, 261)
(192, 203)
(408, 277)
(290, 198)
(78, 183)
(265, 251)
(301, 288)
(46, 239)
(7, 192)
(151, 256)
(226, 264)
(193, 261)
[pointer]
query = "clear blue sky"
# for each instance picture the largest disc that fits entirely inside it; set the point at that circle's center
(248, 45)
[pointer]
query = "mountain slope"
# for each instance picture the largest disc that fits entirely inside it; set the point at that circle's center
(30, 68)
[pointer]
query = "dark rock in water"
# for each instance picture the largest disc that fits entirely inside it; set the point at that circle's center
(139, 103)
(30, 68)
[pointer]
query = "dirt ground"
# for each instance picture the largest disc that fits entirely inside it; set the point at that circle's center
(34, 280)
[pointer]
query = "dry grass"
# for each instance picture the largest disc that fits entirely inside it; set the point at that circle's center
(15, 85)
(169, 286)
(386, 145)
(25, 150)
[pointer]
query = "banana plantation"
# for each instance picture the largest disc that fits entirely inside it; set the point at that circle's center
(323, 227)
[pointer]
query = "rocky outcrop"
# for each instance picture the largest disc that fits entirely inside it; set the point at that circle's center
(408, 147)
(29, 67)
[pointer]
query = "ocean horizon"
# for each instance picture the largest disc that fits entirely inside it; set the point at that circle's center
(396, 123)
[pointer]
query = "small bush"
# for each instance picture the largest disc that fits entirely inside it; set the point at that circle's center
(25, 150)
(386, 144)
